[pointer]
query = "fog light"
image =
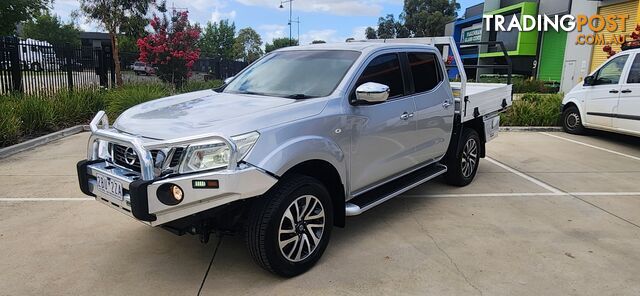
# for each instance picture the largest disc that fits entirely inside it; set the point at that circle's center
(170, 194)
(177, 192)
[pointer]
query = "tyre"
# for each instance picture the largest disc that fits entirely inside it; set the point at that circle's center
(571, 121)
(289, 227)
(463, 167)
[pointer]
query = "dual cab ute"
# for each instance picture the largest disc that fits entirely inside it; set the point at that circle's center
(608, 99)
(296, 142)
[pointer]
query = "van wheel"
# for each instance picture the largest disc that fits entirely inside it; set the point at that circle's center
(462, 168)
(571, 122)
(289, 227)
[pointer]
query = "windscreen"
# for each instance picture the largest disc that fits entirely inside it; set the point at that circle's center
(295, 74)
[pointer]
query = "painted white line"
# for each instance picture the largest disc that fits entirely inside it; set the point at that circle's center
(525, 194)
(12, 199)
(523, 175)
(592, 146)
(604, 193)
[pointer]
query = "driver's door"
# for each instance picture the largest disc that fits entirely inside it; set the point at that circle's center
(384, 134)
(602, 96)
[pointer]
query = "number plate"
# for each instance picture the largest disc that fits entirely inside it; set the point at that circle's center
(109, 186)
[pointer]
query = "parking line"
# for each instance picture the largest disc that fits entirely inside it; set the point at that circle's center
(592, 146)
(525, 176)
(524, 194)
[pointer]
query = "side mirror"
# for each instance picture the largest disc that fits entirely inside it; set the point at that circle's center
(226, 81)
(372, 92)
(589, 80)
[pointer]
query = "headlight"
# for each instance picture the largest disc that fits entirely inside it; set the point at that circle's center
(215, 154)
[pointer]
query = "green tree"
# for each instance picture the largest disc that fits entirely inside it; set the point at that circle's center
(50, 28)
(248, 45)
(387, 27)
(218, 39)
(426, 18)
(112, 15)
(371, 33)
(280, 43)
(13, 12)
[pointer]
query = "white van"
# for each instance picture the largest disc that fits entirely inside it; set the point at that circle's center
(608, 99)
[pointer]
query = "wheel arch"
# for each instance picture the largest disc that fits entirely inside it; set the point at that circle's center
(477, 124)
(574, 102)
(328, 175)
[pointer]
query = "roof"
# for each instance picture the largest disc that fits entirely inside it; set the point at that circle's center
(355, 45)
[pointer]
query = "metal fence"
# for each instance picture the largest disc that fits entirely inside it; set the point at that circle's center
(38, 67)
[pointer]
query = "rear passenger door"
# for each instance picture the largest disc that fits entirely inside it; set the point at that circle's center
(434, 104)
(628, 111)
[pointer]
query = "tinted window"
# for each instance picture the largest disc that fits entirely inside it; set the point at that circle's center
(425, 71)
(295, 73)
(384, 69)
(634, 73)
(610, 73)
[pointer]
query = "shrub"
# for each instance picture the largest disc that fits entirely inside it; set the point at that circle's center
(28, 116)
(534, 110)
(9, 124)
(200, 85)
(37, 114)
(123, 98)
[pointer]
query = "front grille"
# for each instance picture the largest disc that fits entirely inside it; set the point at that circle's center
(119, 157)
(175, 159)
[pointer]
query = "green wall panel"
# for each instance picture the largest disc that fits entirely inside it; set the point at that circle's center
(552, 55)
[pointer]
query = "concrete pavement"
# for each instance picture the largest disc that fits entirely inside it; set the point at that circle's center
(549, 213)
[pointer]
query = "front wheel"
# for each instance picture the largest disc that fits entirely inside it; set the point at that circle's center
(463, 167)
(571, 122)
(289, 227)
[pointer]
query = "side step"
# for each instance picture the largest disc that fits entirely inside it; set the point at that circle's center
(376, 196)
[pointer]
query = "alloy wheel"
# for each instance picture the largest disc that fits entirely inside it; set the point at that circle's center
(301, 228)
(469, 157)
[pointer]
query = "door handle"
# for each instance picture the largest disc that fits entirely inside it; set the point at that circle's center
(626, 91)
(613, 91)
(406, 116)
(446, 104)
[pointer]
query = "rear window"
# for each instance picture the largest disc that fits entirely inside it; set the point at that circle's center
(138, 64)
(425, 71)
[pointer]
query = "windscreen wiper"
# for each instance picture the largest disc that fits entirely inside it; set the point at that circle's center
(299, 96)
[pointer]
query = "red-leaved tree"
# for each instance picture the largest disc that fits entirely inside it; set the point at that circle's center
(634, 42)
(172, 47)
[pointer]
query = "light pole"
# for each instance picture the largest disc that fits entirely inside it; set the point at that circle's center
(282, 2)
(297, 21)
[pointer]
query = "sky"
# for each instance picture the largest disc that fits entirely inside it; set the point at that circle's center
(328, 20)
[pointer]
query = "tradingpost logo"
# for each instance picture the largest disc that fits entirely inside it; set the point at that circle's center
(597, 24)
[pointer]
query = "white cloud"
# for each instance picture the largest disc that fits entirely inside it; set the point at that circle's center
(271, 31)
(217, 15)
(327, 35)
(358, 33)
(337, 7)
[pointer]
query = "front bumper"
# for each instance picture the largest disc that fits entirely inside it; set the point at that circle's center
(140, 188)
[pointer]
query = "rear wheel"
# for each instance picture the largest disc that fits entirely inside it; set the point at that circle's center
(571, 121)
(463, 167)
(289, 226)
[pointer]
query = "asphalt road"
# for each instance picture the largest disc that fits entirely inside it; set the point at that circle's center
(549, 214)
